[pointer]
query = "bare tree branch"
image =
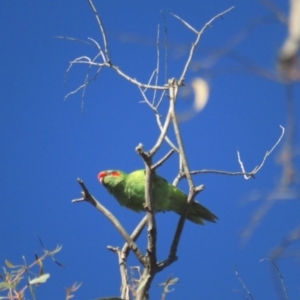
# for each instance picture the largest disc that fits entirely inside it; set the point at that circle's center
(185, 23)
(173, 91)
(219, 172)
(125, 294)
(199, 34)
(87, 80)
(166, 45)
(292, 236)
(74, 40)
(257, 168)
(135, 234)
(88, 61)
(247, 175)
(157, 64)
(242, 282)
(174, 246)
(279, 274)
(92, 200)
(163, 136)
(122, 257)
(161, 161)
(275, 10)
(150, 259)
(101, 26)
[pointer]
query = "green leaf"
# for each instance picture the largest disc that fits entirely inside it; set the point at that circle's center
(41, 279)
(9, 264)
(5, 286)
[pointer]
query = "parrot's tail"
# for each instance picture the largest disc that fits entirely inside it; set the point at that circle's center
(198, 213)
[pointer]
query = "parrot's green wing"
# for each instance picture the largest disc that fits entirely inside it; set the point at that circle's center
(129, 190)
(169, 197)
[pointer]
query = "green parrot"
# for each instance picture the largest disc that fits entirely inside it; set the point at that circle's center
(129, 190)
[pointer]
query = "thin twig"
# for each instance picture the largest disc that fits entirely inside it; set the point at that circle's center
(174, 246)
(257, 168)
(185, 23)
(98, 47)
(194, 45)
(71, 65)
(220, 172)
(177, 179)
(279, 274)
(101, 26)
(166, 45)
(291, 237)
(173, 91)
(88, 61)
(121, 73)
(72, 289)
(136, 82)
(162, 128)
(161, 161)
(270, 5)
(106, 61)
(146, 99)
(163, 136)
(122, 257)
(125, 294)
(135, 235)
(149, 82)
(242, 282)
(160, 100)
(157, 63)
(86, 82)
(73, 40)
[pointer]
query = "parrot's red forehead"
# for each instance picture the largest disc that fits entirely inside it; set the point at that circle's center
(103, 174)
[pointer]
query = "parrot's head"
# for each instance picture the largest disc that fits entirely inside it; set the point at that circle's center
(111, 178)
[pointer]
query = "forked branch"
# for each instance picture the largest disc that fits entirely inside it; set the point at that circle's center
(199, 34)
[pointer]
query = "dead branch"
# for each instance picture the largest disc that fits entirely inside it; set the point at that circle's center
(257, 168)
(86, 196)
(199, 34)
(279, 274)
(242, 282)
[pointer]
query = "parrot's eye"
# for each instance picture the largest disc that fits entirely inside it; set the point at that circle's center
(115, 173)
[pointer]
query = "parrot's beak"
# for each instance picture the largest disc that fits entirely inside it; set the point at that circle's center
(101, 176)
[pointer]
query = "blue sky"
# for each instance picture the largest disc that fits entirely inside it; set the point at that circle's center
(46, 143)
